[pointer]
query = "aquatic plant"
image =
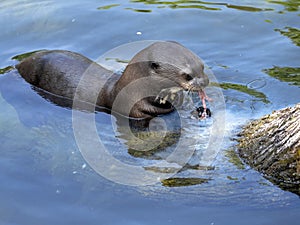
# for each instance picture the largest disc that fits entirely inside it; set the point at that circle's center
(6, 69)
(24, 55)
(108, 6)
(200, 5)
(179, 181)
(188, 4)
(285, 74)
(234, 159)
(292, 33)
(149, 141)
(244, 89)
(290, 5)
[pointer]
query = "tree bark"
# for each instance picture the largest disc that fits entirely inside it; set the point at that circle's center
(271, 145)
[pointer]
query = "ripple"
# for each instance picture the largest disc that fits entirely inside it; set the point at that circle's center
(257, 83)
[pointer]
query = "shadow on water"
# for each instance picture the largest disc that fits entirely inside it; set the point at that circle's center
(143, 136)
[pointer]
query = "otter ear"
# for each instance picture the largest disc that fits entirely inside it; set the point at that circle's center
(154, 65)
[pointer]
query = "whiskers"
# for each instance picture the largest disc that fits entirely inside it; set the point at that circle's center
(189, 90)
(192, 88)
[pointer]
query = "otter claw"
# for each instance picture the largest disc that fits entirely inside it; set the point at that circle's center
(167, 94)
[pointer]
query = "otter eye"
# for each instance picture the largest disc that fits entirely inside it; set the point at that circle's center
(187, 77)
(154, 65)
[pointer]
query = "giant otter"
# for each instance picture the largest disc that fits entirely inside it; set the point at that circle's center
(168, 65)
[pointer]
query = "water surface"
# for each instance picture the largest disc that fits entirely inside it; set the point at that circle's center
(252, 48)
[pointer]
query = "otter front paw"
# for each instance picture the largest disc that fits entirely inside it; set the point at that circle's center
(168, 95)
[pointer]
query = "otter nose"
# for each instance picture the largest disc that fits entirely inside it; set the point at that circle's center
(200, 81)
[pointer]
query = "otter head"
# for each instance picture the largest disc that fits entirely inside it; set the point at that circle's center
(172, 61)
(168, 66)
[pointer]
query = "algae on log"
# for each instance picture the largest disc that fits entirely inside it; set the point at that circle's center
(271, 145)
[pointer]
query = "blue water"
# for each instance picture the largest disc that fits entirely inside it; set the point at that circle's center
(44, 178)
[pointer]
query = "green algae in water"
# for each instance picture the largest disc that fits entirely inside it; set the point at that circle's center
(289, 5)
(292, 33)
(192, 4)
(118, 60)
(140, 10)
(244, 89)
(197, 167)
(108, 6)
(263, 182)
(161, 169)
(285, 74)
(149, 141)
(247, 8)
(222, 66)
(175, 6)
(233, 158)
(232, 178)
(6, 69)
(181, 182)
(24, 56)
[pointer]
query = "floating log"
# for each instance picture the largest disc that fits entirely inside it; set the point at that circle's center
(271, 145)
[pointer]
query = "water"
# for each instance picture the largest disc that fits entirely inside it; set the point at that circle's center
(46, 180)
